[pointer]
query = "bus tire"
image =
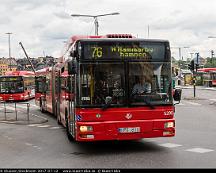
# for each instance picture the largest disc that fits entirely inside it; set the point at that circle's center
(59, 120)
(210, 83)
(70, 137)
(58, 116)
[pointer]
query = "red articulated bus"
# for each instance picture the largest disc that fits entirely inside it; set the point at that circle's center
(17, 86)
(91, 89)
(209, 76)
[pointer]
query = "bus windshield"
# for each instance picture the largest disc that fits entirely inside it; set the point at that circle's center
(124, 83)
(40, 84)
(11, 85)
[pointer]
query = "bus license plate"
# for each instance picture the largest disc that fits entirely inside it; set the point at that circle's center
(129, 130)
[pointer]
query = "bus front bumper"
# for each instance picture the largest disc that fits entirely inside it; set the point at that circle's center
(129, 130)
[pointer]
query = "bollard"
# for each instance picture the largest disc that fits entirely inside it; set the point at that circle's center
(16, 110)
(5, 111)
(28, 105)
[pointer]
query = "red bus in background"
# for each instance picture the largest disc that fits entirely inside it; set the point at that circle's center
(17, 86)
(40, 85)
(209, 76)
(90, 90)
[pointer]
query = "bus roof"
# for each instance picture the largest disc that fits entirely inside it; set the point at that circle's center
(125, 39)
(43, 70)
(207, 69)
(19, 73)
(79, 37)
(110, 37)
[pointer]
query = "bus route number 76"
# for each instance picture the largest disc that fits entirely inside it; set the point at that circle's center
(97, 52)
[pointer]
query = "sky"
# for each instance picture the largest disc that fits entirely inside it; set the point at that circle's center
(43, 26)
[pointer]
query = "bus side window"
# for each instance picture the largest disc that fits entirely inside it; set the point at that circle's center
(47, 88)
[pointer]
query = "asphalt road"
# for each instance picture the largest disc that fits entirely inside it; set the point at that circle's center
(46, 145)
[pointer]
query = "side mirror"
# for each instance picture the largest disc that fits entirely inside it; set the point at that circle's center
(73, 53)
(177, 95)
(72, 67)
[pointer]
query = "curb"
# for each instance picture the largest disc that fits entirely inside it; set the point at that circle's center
(40, 120)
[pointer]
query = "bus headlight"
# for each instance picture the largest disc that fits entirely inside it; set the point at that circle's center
(168, 124)
(85, 128)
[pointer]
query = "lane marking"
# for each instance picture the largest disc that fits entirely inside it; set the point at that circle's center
(37, 147)
(213, 100)
(199, 150)
(170, 145)
(44, 126)
(33, 125)
(28, 144)
(193, 103)
(55, 128)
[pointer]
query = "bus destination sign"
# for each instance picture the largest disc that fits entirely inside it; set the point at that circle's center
(128, 50)
(120, 52)
(10, 78)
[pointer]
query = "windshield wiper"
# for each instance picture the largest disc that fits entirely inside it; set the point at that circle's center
(148, 103)
(108, 102)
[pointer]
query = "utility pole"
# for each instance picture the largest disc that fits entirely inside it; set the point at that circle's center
(9, 47)
(195, 72)
(212, 56)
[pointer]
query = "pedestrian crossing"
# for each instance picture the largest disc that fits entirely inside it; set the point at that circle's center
(198, 150)
(194, 103)
(188, 103)
(47, 126)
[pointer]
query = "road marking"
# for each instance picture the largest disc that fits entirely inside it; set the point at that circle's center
(44, 126)
(199, 150)
(35, 146)
(55, 128)
(9, 138)
(193, 103)
(170, 145)
(213, 100)
(28, 144)
(33, 125)
(213, 89)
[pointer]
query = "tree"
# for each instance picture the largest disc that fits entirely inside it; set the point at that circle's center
(211, 62)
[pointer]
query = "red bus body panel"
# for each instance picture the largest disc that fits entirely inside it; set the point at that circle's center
(26, 95)
(106, 123)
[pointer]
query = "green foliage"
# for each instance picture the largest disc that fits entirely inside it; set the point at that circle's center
(211, 62)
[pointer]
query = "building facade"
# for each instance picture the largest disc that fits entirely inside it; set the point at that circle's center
(7, 64)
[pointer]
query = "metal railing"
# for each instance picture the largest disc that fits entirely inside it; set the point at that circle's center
(9, 106)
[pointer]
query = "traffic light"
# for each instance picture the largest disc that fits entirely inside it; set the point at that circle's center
(197, 66)
(212, 53)
(191, 66)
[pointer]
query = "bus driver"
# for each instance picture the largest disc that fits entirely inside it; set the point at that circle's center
(141, 86)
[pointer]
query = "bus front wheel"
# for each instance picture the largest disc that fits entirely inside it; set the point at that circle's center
(70, 137)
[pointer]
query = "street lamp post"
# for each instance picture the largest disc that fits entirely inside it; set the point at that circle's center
(212, 52)
(211, 37)
(95, 18)
(9, 47)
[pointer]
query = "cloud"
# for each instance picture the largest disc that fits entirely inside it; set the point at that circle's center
(44, 25)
